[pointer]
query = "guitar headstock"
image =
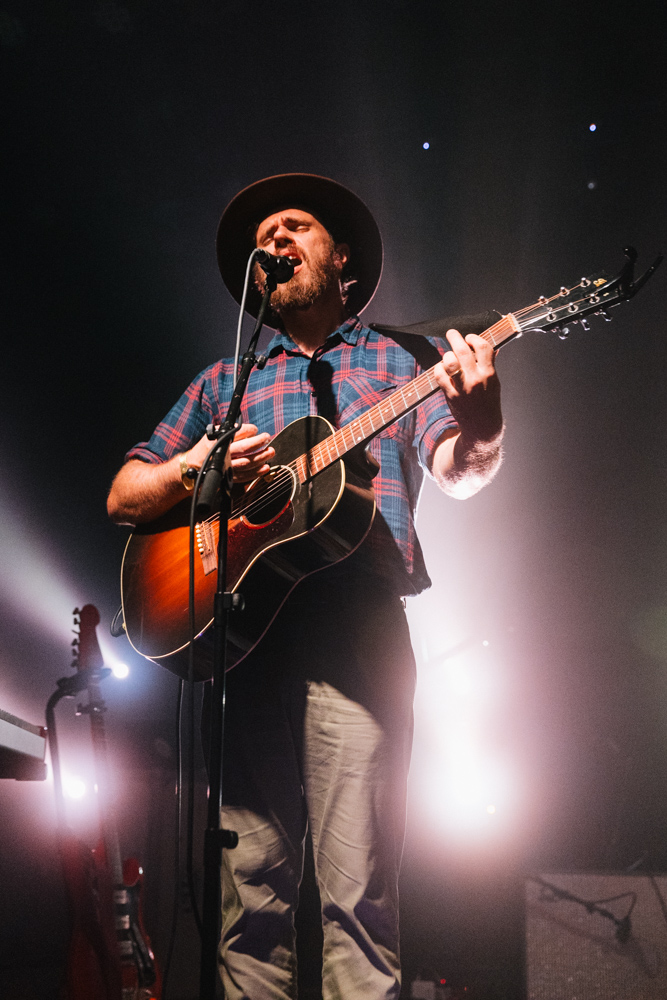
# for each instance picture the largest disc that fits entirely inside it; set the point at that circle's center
(591, 296)
(86, 648)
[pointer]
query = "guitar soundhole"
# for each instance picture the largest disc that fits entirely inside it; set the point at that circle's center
(267, 498)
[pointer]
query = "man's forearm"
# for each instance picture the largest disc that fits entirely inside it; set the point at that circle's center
(142, 491)
(462, 466)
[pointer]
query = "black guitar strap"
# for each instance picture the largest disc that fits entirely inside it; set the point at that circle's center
(412, 338)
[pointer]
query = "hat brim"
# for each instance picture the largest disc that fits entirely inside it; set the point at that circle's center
(340, 210)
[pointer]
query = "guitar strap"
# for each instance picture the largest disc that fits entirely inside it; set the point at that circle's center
(412, 338)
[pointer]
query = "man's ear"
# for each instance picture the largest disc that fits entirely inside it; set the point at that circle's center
(342, 254)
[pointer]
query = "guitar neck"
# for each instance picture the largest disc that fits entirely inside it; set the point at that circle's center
(388, 410)
(107, 812)
(90, 658)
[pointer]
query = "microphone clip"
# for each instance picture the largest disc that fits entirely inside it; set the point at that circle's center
(281, 268)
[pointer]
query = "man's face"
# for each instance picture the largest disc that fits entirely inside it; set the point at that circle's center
(318, 261)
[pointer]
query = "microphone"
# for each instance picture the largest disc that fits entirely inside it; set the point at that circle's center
(282, 268)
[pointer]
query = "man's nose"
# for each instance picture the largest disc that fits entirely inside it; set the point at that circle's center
(282, 237)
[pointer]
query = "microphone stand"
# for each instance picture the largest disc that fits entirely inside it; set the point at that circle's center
(216, 838)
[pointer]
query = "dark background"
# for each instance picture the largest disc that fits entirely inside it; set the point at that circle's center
(126, 130)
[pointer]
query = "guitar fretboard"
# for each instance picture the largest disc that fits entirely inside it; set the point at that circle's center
(384, 413)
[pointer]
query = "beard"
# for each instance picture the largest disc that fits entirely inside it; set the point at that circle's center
(306, 287)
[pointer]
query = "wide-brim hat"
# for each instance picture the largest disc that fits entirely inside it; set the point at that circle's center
(343, 214)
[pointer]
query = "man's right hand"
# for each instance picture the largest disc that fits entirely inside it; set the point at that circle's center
(249, 451)
(142, 491)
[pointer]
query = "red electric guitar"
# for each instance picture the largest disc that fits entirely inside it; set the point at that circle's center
(110, 954)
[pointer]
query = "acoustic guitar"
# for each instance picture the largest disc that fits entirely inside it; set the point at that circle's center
(312, 509)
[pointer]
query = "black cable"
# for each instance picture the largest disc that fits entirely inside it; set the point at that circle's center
(613, 899)
(623, 925)
(661, 898)
(177, 842)
(191, 809)
(117, 627)
(192, 626)
(191, 681)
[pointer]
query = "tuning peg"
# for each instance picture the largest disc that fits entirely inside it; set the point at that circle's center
(564, 333)
(585, 324)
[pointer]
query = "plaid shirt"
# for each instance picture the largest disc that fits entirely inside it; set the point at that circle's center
(344, 378)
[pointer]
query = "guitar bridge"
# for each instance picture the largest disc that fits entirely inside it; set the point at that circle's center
(207, 547)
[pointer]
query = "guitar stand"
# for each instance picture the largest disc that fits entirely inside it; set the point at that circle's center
(216, 477)
(68, 687)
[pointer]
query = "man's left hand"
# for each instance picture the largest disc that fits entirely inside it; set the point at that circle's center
(469, 380)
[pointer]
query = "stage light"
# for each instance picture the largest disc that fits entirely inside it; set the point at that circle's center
(35, 584)
(30, 579)
(73, 788)
(426, 145)
(592, 185)
(120, 670)
(463, 783)
(592, 127)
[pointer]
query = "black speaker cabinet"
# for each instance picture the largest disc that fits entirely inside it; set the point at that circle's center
(575, 953)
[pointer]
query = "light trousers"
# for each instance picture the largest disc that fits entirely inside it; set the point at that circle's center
(318, 734)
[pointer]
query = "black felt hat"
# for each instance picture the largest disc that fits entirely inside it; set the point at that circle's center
(342, 213)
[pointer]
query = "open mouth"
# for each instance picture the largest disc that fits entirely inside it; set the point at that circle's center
(296, 260)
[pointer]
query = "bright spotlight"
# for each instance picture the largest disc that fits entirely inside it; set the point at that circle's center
(31, 578)
(73, 788)
(426, 145)
(120, 670)
(464, 783)
(592, 127)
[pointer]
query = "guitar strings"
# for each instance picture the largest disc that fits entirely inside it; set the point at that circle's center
(318, 451)
(290, 471)
(258, 503)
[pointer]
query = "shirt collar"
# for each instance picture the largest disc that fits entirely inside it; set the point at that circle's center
(349, 331)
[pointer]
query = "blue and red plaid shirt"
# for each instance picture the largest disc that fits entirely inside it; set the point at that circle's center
(351, 372)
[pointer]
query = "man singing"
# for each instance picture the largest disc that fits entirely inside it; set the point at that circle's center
(319, 719)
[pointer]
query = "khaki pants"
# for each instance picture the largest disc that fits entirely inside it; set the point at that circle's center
(318, 732)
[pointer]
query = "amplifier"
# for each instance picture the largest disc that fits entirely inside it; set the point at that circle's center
(596, 937)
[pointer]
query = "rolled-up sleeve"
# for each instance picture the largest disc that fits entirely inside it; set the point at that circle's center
(182, 427)
(434, 419)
